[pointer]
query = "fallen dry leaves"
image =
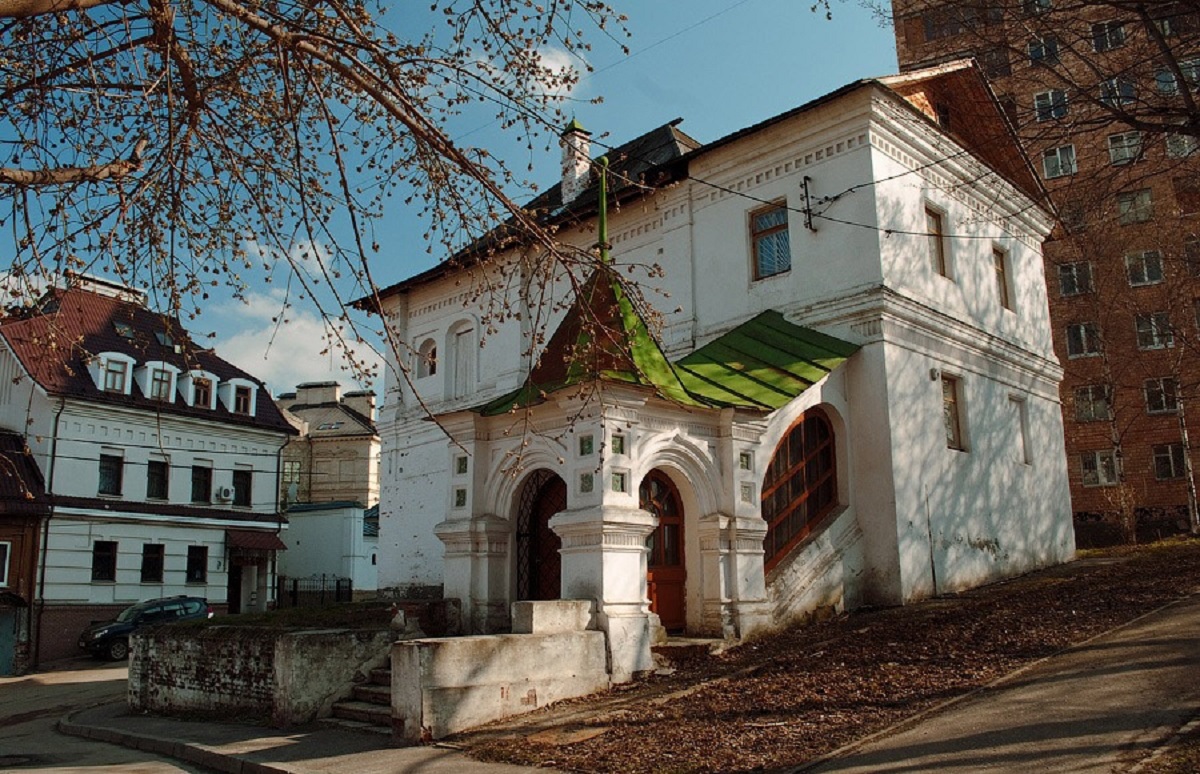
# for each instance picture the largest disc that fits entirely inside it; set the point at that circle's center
(793, 696)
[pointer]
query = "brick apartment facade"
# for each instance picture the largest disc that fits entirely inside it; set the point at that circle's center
(1079, 79)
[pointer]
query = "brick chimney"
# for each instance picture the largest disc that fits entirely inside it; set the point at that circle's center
(576, 161)
(313, 393)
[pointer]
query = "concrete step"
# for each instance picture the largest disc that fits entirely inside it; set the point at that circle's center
(373, 694)
(364, 712)
(381, 676)
(678, 650)
(356, 725)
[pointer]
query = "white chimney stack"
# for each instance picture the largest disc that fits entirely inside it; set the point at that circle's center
(576, 161)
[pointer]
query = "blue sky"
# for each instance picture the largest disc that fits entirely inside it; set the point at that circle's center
(719, 65)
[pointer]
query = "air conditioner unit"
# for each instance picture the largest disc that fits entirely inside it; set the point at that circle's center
(224, 493)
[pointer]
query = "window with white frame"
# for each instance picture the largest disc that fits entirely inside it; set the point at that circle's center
(1043, 50)
(1144, 268)
(116, 376)
(1075, 278)
(1099, 468)
(1108, 35)
(1050, 105)
(1117, 92)
(1180, 146)
(1124, 147)
(1093, 403)
(1167, 82)
(1153, 331)
(1083, 340)
(770, 241)
(5, 561)
(1059, 162)
(1162, 395)
(162, 384)
(112, 467)
(1168, 461)
(1135, 206)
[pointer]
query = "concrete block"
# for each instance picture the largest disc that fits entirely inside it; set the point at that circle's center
(552, 616)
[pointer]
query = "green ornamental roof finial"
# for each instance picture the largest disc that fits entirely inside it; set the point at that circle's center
(575, 126)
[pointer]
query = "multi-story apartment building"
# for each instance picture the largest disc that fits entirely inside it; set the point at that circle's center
(159, 458)
(1103, 98)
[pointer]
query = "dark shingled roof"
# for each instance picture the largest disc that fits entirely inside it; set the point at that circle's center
(55, 341)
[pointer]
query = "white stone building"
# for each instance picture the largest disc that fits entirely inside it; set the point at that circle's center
(852, 397)
(161, 460)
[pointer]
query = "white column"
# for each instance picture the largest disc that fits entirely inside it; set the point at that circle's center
(604, 559)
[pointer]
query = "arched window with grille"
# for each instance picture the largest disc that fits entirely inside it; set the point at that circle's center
(800, 488)
(427, 358)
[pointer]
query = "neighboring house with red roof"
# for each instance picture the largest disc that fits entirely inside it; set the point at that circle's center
(851, 396)
(161, 460)
(23, 510)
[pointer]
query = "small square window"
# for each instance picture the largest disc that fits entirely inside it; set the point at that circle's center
(747, 492)
(1124, 147)
(1043, 50)
(1180, 146)
(1117, 92)
(1083, 340)
(746, 460)
(618, 443)
(1144, 268)
(1153, 331)
(1059, 162)
(1098, 468)
(620, 481)
(460, 465)
(1075, 279)
(587, 483)
(460, 497)
(1093, 403)
(1035, 7)
(1135, 206)
(1050, 105)
(587, 445)
(1162, 396)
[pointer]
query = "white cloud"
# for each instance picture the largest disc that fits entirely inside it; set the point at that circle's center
(287, 353)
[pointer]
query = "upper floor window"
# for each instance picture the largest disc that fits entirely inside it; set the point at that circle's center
(769, 237)
(1098, 468)
(1075, 278)
(111, 469)
(1169, 461)
(202, 392)
(1117, 92)
(1059, 162)
(1187, 193)
(243, 485)
(157, 480)
(161, 384)
(1124, 147)
(1035, 7)
(1135, 206)
(1153, 331)
(1161, 396)
(935, 234)
(1043, 50)
(1180, 146)
(427, 358)
(201, 483)
(241, 400)
(104, 560)
(1083, 340)
(1167, 82)
(462, 348)
(5, 554)
(1050, 105)
(1144, 268)
(1000, 265)
(1093, 403)
(116, 376)
(1108, 35)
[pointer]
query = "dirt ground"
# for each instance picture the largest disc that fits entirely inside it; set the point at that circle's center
(791, 697)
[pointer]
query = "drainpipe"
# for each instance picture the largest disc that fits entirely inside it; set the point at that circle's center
(41, 600)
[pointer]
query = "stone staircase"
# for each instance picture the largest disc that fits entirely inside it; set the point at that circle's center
(369, 707)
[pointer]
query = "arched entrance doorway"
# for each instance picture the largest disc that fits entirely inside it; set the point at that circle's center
(666, 574)
(539, 565)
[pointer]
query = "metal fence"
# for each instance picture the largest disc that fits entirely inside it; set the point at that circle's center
(313, 591)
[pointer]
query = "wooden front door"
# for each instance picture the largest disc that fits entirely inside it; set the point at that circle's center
(666, 577)
(539, 564)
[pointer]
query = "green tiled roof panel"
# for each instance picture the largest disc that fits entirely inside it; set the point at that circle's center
(763, 363)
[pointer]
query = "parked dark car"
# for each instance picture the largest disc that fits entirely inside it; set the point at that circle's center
(110, 639)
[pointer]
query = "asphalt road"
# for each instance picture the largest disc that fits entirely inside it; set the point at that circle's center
(31, 706)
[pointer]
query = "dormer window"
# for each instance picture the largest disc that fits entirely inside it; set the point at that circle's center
(202, 393)
(116, 376)
(164, 339)
(160, 384)
(241, 400)
(239, 396)
(123, 329)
